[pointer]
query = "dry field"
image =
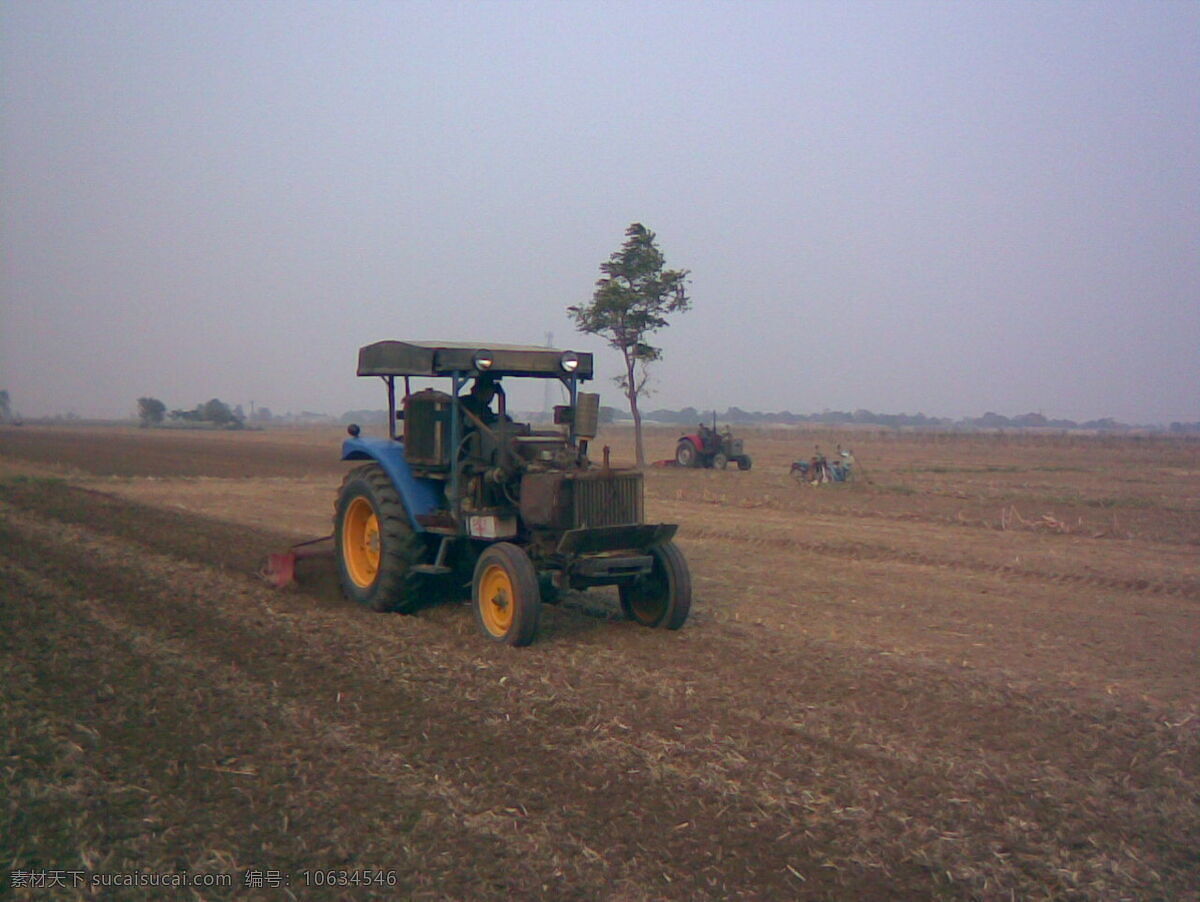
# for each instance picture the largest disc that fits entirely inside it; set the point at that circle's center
(972, 673)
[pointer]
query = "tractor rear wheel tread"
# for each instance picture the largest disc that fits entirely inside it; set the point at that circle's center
(375, 556)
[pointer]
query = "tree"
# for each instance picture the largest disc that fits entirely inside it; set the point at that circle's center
(217, 411)
(5, 406)
(632, 300)
(151, 411)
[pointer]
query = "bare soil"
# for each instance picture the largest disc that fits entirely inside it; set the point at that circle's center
(971, 672)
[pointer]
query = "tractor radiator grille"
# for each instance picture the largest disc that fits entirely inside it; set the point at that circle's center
(614, 500)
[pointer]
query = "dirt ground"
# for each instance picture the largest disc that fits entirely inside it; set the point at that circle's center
(971, 672)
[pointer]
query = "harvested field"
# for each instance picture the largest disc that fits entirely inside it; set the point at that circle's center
(970, 673)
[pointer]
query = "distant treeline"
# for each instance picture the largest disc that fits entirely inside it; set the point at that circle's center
(690, 416)
(990, 420)
(213, 413)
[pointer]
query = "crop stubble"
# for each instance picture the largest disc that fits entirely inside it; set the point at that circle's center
(887, 689)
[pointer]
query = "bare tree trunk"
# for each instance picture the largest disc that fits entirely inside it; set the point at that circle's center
(631, 392)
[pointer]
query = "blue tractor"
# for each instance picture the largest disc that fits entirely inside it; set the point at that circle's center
(459, 494)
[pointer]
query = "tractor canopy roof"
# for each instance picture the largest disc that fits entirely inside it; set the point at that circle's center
(445, 358)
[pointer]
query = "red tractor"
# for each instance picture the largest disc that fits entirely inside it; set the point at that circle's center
(709, 448)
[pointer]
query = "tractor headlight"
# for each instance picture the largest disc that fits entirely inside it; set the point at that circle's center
(569, 361)
(483, 360)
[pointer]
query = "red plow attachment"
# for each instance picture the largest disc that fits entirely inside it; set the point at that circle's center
(279, 569)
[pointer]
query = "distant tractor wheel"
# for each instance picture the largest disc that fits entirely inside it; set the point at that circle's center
(508, 603)
(685, 453)
(375, 544)
(720, 461)
(744, 462)
(664, 596)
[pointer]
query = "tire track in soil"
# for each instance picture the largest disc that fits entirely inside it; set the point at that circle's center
(1172, 526)
(138, 452)
(1009, 632)
(1089, 514)
(207, 760)
(593, 818)
(607, 711)
(473, 828)
(100, 553)
(489, 835)
(864, 551)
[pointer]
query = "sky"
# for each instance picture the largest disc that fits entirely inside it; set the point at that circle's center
(935, 207)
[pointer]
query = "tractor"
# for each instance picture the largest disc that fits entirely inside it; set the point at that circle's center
(709, 448)
(458, 494)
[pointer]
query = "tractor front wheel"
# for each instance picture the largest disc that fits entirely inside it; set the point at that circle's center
(375, 543)
(744, 462)
(685, 453)
(720, 461)
(508, 603)
(664, 596)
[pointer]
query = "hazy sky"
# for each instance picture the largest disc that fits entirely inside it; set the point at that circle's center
(938, 207)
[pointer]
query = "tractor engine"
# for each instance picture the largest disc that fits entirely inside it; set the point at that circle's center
(577, 499)
(507, 467)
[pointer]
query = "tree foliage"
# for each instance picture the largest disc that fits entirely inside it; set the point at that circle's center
(633, 299)
(214, 411)
(217, 411)
(151, 411)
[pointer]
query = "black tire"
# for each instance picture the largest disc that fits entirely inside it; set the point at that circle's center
(664, 596)
(744, 462)
(374, 556)
(685, 453)
(505, 595)
(720, 461)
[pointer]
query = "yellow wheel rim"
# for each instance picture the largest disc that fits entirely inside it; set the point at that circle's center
(360, 542)
(496, 600)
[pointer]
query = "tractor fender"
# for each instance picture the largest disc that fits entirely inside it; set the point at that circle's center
(420, 496)
(695, 440)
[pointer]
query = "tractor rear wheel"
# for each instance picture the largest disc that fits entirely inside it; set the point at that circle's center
(508, 602)
(664, 596)
(375, 543)
(685, 453)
